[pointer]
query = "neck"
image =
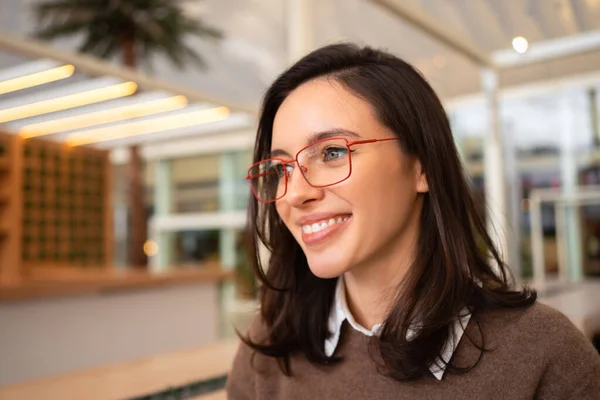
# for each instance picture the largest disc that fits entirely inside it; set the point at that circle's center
(371, 289)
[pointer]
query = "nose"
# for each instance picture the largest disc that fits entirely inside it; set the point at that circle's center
(299, 191)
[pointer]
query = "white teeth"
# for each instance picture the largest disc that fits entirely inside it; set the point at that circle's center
(319, 226)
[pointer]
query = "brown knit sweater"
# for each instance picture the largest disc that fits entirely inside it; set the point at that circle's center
(535, 353)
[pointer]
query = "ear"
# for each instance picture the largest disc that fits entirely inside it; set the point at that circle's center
(421, 178)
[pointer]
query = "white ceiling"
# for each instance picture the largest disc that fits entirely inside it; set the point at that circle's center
(257, 37)
(492, 24)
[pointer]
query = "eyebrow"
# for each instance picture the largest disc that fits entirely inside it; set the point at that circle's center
(321, 135)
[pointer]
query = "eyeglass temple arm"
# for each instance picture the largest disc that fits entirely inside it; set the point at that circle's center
(248, 177)
(256, 176)
(371, 141)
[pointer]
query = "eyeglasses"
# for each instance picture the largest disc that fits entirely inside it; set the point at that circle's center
(323, 163)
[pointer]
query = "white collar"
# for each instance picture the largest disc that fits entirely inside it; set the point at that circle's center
(340, 313)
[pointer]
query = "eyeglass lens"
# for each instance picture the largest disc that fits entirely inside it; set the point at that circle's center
(323, 163)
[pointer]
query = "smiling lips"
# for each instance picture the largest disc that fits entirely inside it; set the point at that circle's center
(316, 230)
(319, 226)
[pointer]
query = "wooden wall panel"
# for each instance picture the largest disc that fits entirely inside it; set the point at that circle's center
(55, 206)
(10, 207)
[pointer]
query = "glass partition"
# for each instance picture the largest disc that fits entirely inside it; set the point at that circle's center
(551, 142)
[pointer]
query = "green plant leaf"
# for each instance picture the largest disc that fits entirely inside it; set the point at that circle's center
(108, 26)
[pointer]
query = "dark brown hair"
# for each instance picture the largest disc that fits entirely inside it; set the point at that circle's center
(452, 271)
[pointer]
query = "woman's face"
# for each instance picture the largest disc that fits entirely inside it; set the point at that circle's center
(374, 214)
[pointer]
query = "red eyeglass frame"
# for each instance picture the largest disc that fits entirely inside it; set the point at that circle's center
(295, 160)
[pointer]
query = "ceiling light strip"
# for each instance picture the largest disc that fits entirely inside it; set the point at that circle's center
(36, 79)
(67, 102)
(104, 117)
(148, 126)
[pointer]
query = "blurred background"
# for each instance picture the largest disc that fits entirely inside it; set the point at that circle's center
(126, 130)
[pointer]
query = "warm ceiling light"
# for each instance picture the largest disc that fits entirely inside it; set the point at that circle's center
(147, 126)
(67, 102)
(520, 44)
(36, 79)
(150, 248)
(104, 116)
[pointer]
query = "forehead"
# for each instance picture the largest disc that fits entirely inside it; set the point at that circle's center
(317, 106)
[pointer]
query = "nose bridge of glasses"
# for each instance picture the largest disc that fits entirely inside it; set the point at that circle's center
(297, 184)
(290, 173)
(290, 162)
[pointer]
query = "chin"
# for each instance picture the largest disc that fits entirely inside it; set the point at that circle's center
(327, 268)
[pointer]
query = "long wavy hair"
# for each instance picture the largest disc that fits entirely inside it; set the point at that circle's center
(457, 266)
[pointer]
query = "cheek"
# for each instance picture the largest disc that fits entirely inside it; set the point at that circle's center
(283, 211)
(371, 181)
(382, 195)
(285, 214)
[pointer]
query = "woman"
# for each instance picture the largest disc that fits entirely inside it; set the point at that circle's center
(383, 282)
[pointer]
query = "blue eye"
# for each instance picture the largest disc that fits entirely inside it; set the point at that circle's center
(334, 153)
(280, 170)
(289, 169)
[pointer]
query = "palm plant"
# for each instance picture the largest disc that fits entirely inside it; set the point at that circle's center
(133, 29)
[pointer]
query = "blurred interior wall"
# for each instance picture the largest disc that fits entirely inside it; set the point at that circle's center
(52, 336)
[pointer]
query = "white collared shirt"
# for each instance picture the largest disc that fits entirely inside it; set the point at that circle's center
(340, 313)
